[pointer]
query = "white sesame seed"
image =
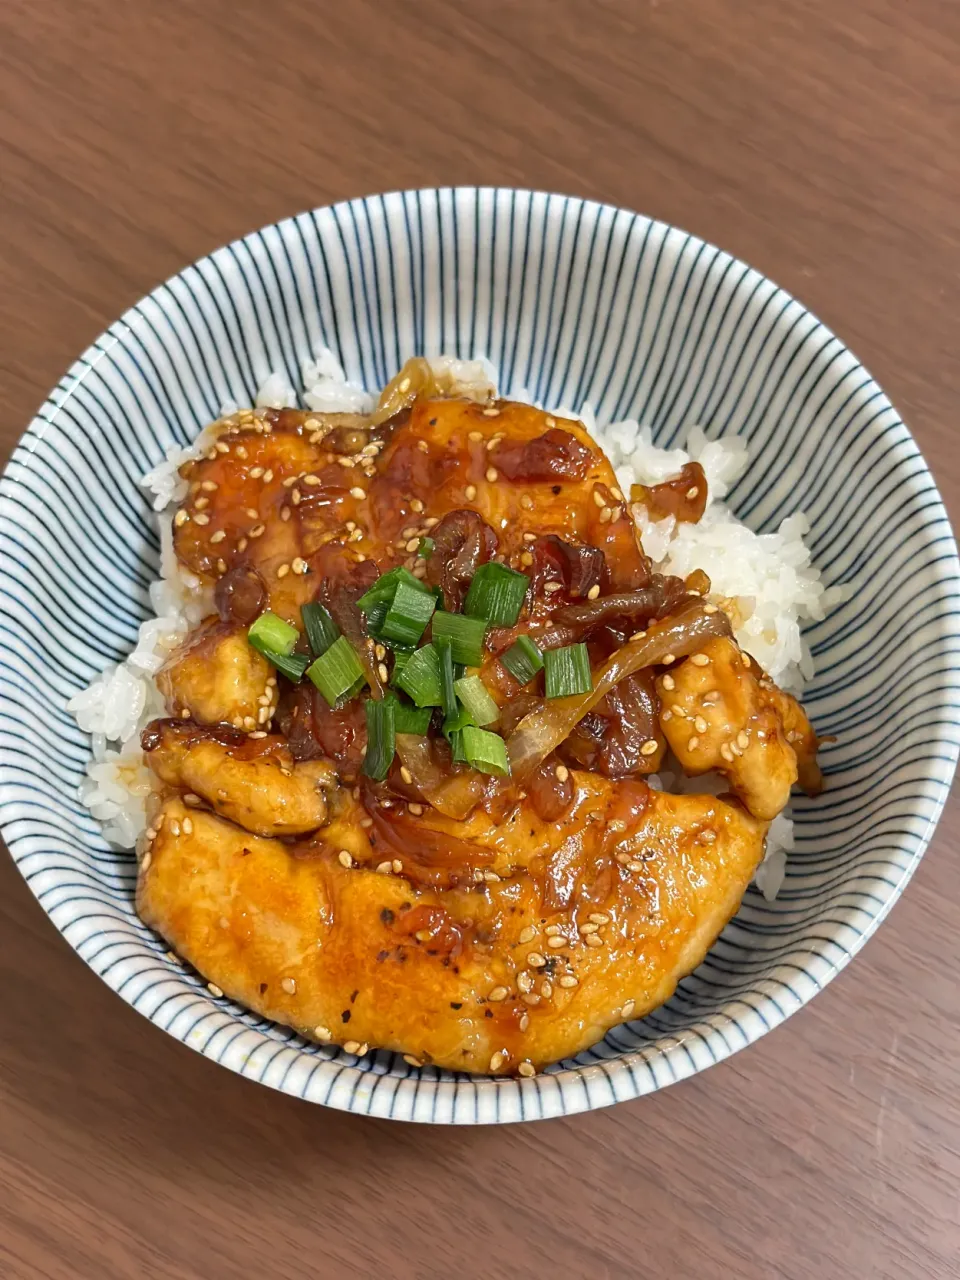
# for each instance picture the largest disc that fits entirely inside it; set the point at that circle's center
(743, 741)
(536, 960)
(397, 866)
(497, 1061)
(345, 858)
(594, 591)
(528, 934)
(693, 743)
(289, 985)
(692, 492)
(699, 659)
(384, 868)
(322, 1034)
(551, 587)
(218, 536)
(524, 1022)
(406, 775)
(594, 940)
(415, 809)
(649, 748)
(599, 499)
(492, 474)
(358, 493)
(191, 799)
(546, 989)
(709, 608)
(524, 981)
(589, 928)
(667, 659)
(411, 1061)
(628, 1008)
(257, 531)
(147, 858)
(568, 981)
(470, 492)
(556, 943)
(187, 826)
(214, 990)
(562, 772)
(283, 570)
(382, 672)
(498, 994)
(201, 503)
(352, 1046)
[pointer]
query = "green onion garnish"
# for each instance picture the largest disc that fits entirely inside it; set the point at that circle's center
(465, 636)
(448, 694)
(496, 594)
(400, 659)
(425, 549)
(292, 665)
(320, 627)
(459, 720)
(475, 696)
(567, 671)
(412, 719)
(485, 751)
(420, 677)
(270, 633)
(381, 737)
(384, 589)
(523, 659)
(455, 738)
(409, 613)
(337, 673)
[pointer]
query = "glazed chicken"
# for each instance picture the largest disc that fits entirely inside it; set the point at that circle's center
(477, 875)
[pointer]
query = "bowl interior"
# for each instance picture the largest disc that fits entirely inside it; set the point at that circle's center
(575, 303)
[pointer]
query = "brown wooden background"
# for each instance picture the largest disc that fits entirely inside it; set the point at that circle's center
(816, 138)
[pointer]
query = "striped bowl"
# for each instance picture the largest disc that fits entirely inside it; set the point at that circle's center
(576, 302)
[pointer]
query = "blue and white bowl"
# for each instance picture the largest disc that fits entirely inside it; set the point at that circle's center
(576, 302)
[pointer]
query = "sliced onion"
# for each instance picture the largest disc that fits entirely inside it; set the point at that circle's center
(543, 730)
(452, 794)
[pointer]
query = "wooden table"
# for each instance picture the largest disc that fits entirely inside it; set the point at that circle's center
(814, 138)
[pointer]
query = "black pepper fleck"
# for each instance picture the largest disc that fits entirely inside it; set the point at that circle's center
(345, 1016)
(386, 915)
(456, 1004)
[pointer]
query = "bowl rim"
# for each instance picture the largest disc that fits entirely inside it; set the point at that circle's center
(560, 1091)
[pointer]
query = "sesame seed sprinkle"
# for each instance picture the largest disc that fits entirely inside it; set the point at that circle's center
(524, 1022)
(323, 1034)
(497, 1061)
(593, 940)
(536, 960)
(699, 659)
(568, 981)
(492, 474)
(556, 943)
(528, 934)
(498, 994)
(470, 492)
(411, 1061)
(693, 743)
(214, 990)
(289, 985)
(345, 859)
(649, 747)
(594, 591)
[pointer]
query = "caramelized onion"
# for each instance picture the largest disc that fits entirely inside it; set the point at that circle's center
(556, 455)
(655, 601)
(240, 595)
(609, 740)
(453, 794)
(340, 596)
(462, 541)
(542, 731)
(684, 496)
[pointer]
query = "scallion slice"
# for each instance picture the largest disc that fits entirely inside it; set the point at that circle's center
(384, 589)
(455, 738)
(292, 665)
(465, 636)
(496, 594)
(415, 720)
(270, 633)
(337, 672)
(409, 613)
(320, 627)
(485, 751)
(523, 659)
(381, 737)
(448, 694)
(420, 677)
(475, 696)
(567, 671)
(452, 725)
(425, 549)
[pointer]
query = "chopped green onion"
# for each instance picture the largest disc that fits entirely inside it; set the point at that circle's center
(420, 677)
(409, 613)
(485, 751)
(385, 587)
(271, 633)
(320, 627)
(455, 738)
(523, 659)
(381, 737)
(496, 594)
(475, 696)
(292, 665)
(337, 672)
(448, 694)
(465, 636)
(400, 659)
(459, 720)
(567, 671)
(425, 549)
(376, 615)
(412, 719)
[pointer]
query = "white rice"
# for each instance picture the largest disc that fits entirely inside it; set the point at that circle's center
(767, 580)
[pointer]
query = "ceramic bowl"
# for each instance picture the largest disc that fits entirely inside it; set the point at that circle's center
(576, 302)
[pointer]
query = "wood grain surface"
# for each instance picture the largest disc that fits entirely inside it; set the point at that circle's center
(815, 138)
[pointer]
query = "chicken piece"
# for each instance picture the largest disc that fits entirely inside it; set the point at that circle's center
(590, 920)
(277, 495)
(217, 677)
(720, 712)
(253, 782)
